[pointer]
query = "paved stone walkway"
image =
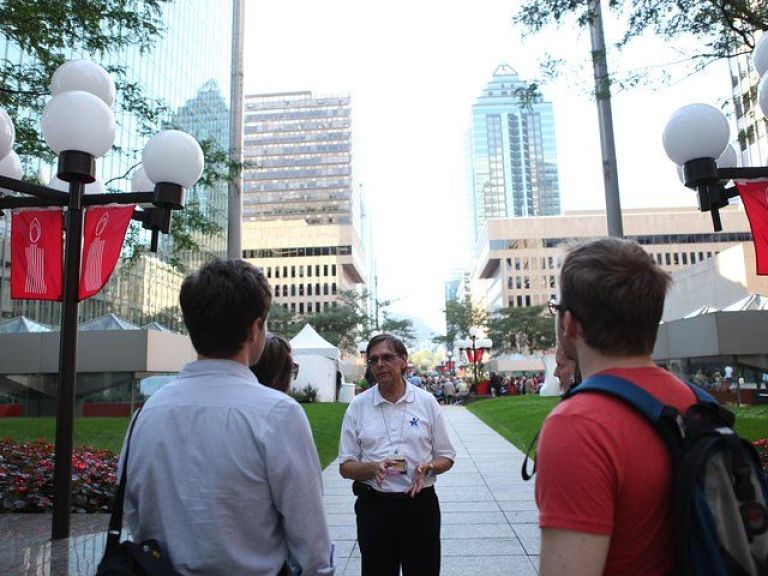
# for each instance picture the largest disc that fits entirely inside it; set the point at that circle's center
(489, 517)
(488, 513)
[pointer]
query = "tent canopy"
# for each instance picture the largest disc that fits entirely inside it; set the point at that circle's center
(22, 325)
(108, 322)
(308, 341)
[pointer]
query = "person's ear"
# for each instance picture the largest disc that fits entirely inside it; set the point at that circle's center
(255, 329)
(571, 326)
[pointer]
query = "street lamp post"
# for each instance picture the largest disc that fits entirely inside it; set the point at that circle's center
(449, 355)
(696, 138)
(474, 348)
(78, 125)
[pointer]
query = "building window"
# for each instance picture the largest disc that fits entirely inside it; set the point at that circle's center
(333, 288)
(325, 289)
(693, 257)
(309, 289)
(317, 289)
(285, 271)
(676, 258)
(325, 305)
(309, 271)
(317, 270)
(325, 270)
(293, 271)
(685, 258)
(527, 300)
(277, 291)
(519, 301)
(301, 289)
(301, 307)
(277, 271)
(301, 271)
(317, 306)
(293, 289)
(518, 282)
(333, 269)
(667, 259)
(269, 272)
(293, 306)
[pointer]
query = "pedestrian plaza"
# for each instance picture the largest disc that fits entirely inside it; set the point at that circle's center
(489, 517)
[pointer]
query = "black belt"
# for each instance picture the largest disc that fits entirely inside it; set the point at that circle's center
(363, 490)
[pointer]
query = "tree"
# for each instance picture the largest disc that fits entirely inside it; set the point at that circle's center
(514, 329)
(50, 32)
(283, 322)
(724, 28)
(460, 316)
(402, 328)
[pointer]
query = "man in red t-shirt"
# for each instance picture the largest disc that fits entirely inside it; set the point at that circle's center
(604, 484)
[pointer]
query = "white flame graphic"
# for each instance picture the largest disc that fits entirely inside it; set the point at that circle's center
(102, 224)
(35, 231)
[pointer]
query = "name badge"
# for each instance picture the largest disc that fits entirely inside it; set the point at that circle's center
(399, 465)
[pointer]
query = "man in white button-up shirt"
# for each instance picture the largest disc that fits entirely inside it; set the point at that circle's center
(223, 471)
(393, 444)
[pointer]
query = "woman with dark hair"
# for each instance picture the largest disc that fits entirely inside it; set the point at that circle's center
(276, 367)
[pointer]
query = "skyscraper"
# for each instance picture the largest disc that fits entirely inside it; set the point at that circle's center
(512, 159)
(302, 217)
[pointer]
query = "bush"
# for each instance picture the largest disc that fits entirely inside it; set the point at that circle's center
(306, 395)
(26, 478)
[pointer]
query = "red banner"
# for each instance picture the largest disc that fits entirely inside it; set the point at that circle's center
(103, 235)
(754, 195)
(36, 267)
(470, 355)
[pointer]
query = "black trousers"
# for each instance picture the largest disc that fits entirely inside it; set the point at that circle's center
(397, 530)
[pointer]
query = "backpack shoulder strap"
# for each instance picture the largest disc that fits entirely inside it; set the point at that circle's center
(632, 394)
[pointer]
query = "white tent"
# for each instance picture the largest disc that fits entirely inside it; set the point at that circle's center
(318, 362)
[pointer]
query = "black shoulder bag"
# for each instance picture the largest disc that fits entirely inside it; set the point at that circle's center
(130, 558)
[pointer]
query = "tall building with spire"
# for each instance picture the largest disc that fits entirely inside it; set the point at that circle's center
(512, 158)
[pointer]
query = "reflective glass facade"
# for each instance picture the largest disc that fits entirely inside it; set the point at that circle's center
(300, 147)
(512, 158)
(189, 71)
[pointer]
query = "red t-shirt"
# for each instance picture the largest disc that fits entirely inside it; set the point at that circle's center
(603, 469)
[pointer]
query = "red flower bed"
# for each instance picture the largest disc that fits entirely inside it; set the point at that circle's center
(762, 450)
(26, 478)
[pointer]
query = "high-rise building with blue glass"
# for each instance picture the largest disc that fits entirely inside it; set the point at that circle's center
(189, 71)
(512, 157)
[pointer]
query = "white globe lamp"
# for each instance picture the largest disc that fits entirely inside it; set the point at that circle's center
(10, 166)
(78, 121)
(696, 131)
(174, 157)
(760, 55)
(7, 133)
(140, 182)
(95, 187)
(86, 76)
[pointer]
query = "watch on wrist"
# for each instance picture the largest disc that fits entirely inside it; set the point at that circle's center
(431, 471)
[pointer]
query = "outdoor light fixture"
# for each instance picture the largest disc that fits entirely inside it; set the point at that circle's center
(79, 126)
(474, 348)
(449, 355)
(697, 138)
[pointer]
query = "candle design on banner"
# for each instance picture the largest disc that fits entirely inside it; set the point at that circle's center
(34, 282)
(95, 259)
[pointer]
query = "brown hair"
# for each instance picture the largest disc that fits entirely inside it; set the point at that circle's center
(616, 292)
(220, 302)
(275, 364)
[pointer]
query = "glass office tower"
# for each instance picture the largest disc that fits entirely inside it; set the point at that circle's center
(512, 158)
(189, 70)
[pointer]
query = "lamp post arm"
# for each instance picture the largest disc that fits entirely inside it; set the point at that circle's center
(119, 198)
(34, 189)
(11, 202)
(745, 173)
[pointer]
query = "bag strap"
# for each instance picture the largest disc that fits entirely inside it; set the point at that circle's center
(638, 398)
(116, 519)
(524, 471)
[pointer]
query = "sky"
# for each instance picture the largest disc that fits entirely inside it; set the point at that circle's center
(413, 70)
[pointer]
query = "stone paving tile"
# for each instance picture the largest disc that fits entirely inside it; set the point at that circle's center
(522, 516)
(530, 537)
(464, 518)
(482, 547)
(517, 505)
(347, 519)
(498, 530)
(487, 566)
(489, 506)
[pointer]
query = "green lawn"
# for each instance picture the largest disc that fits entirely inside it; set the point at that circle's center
(518, 418)
(325, 420)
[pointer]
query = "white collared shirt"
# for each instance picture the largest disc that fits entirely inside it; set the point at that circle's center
(375, 429)
(224, 473)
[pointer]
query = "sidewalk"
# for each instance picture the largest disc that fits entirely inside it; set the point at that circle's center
(489, 517)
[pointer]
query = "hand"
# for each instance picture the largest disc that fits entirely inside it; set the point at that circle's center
(418, 479)
(380, 470)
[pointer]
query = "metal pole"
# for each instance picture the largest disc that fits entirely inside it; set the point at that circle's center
(605, 118)
(65, 397)
(234, 236)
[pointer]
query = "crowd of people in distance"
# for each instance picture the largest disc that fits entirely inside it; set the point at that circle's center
(454, 389)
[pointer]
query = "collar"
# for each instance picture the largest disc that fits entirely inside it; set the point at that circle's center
(217, 367)
(409, 396)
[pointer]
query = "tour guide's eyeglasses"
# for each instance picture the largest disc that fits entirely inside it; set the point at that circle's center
(294, 370)
(386, 358)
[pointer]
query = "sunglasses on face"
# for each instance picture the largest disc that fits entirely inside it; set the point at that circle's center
(294, 370)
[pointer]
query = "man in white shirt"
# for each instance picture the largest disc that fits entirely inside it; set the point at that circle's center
(393, 444)
(223, 471)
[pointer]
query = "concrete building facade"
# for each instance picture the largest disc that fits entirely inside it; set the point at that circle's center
(520, 262)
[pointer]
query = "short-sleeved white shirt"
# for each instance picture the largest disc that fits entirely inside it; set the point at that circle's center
(375, 429)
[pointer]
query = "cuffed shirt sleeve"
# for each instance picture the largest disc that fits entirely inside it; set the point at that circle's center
(296, 484)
